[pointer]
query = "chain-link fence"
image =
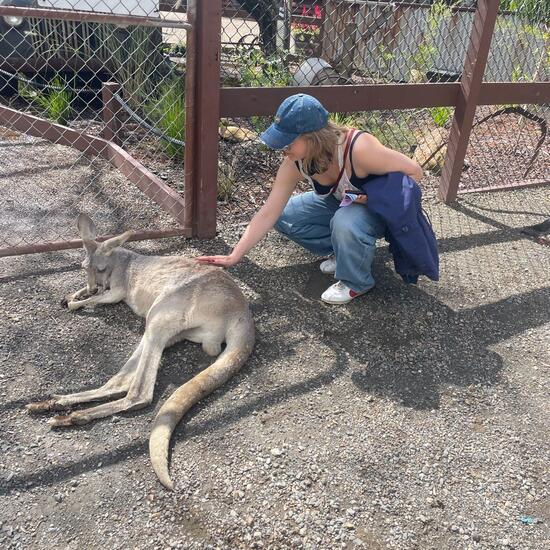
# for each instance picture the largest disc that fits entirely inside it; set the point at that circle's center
(354, 42)
(93, 116)
(113, 88)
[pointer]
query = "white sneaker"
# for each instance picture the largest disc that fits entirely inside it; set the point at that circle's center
(339, 293)
(328, 267)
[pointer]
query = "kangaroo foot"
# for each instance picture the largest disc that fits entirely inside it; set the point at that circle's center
(44, 406)
(64, 420)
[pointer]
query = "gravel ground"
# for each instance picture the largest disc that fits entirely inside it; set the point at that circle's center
(416, 417)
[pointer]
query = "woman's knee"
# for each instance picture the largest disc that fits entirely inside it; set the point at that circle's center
(346, 225)
(282, 225)
(287, 220)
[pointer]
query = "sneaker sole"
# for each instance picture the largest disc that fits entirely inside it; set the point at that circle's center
(335, 303)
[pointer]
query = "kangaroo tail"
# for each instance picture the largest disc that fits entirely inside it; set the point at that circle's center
(240, 341)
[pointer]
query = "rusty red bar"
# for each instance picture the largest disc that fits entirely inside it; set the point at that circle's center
(236, 102)
(264, 101)
(77, 243)
(502, 93)
(206, 17)
(190, 124)
(505, 187)
(93, 17)
(467, 99)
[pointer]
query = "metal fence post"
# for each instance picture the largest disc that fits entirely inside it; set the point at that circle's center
(202, 116)
(110, 112)
(467, 100)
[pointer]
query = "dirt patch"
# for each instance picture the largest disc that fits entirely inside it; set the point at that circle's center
(414, 417)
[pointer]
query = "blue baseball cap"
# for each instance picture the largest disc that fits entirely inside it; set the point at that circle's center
(298, 114)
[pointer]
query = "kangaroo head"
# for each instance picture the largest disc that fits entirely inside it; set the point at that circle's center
(100, 260)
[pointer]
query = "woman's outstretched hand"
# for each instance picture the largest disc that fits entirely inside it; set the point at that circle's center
(221, 261)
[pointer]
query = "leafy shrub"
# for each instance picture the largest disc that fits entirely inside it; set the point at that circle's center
(440, 115)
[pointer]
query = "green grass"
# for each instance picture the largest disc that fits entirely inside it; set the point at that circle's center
(167, 113)
(440, 115)
(56, 104)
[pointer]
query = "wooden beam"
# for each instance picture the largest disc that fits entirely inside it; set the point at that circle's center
(77, 243)
(93, 17)
(515, 93)
(468, 97)
(203, 115)
(237, 102)
(505, 187)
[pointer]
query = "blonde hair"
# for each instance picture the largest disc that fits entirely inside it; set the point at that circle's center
(321, 147)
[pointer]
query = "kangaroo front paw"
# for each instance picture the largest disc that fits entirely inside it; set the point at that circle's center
(44, 406)
(73, 304)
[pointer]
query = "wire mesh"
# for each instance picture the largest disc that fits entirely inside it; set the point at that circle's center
(56, 69)
(509, 143)
(321, 43)
(52, 75)
(364, 42)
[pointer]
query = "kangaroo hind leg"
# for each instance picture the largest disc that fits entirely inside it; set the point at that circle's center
(116, 387)
(161, 327)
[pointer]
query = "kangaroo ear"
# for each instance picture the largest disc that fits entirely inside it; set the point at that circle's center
(86, 227)
(109, 245)
(89, 246)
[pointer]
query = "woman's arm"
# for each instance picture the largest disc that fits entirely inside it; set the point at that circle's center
(371, 157)
(286, 180)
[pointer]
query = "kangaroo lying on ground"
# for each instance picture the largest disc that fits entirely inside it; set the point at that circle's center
(180, 299)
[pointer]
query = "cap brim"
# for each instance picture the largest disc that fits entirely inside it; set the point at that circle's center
(275, 139)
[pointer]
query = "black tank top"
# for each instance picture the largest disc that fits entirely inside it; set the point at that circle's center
(354, 180)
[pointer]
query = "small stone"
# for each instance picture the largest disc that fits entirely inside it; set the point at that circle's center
(58, 497)
(423, 519)
(476, 537)
(276, 452)
(349, 525)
